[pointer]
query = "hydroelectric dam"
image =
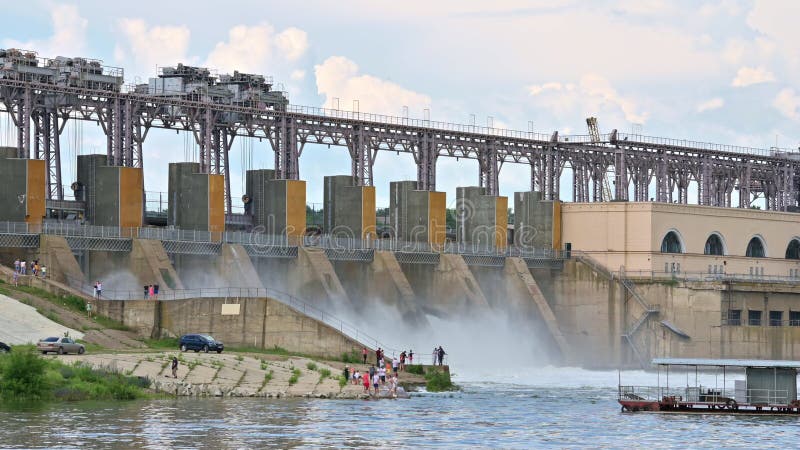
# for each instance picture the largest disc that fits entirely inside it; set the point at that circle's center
(625, 271)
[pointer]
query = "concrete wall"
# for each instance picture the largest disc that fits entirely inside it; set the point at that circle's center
(349, 210)
(536, 221)
(22, 198)
(630, 234)
(55, 254)
(448, 289)
(196, 200)
(114, 196)
(261, 323)
(417, 216)
(277, 206)
(481, 220)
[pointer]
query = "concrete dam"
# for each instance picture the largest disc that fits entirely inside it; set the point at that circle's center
(610, 282)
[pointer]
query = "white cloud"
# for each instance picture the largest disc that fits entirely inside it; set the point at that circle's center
(149, 47)
(292, 42)
(69, 34)
(708, 105)
(787, 102)
(298, 75)
(257, 49)
(338, 77)
(747, 76)
(590, 96)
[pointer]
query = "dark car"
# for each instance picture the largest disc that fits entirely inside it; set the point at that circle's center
(198, 342)
(4, 348)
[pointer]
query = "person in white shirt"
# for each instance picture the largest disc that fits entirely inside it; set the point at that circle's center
(395, 365)
(375, 382)
(382, 373)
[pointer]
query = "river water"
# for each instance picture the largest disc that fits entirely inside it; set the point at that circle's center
(560, 408)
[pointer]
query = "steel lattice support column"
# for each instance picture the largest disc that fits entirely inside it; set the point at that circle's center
(362, 157)
(663, 189)
(620, 175)
(744, 185)
(489, 168)
(425, 156)
(287, 154)
(47, 147)
(23, 122)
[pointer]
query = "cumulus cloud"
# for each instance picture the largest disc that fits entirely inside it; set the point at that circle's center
(339, 77)
(787, 102)
(591, 95)
(149, 47)
(68, 38)
(253, 48)
(708, 105)
(747, 76)
(298, 75)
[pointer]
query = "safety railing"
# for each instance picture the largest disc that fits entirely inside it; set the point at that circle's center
(705, 394)
(273, 240)
(705, 276)
(697, 145)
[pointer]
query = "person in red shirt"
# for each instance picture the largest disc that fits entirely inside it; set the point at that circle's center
(366, 380)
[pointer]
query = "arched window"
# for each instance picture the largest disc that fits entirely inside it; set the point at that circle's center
(671, 243)
(793, 249)
(714, 246)
(755, 248)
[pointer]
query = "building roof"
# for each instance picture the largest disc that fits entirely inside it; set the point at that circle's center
(726, 362)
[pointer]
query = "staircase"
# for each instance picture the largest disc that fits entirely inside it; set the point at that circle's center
(648, 311)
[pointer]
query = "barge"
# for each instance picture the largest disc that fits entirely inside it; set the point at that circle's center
(769, 387)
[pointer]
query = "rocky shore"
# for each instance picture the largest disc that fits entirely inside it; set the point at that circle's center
(238, 375)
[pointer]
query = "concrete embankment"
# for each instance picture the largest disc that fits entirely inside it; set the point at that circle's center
(236, 375)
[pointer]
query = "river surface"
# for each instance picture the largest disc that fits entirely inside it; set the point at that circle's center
(560, 408)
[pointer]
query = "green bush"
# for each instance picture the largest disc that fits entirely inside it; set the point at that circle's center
(295, 376)
(342, 381)
(311, 366)
(438, 380)
(23, 375)
(324, 373)
(416, 369)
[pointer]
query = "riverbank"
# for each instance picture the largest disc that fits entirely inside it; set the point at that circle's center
(236, 374)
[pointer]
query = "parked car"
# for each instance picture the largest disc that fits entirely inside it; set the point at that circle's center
(198, 342)
(60, 345)
(4, 348)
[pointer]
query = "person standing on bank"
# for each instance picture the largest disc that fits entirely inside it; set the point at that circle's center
(174, 367)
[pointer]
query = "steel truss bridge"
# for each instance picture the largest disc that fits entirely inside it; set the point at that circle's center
(40, 112)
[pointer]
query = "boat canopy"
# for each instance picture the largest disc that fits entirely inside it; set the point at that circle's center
(768, 363)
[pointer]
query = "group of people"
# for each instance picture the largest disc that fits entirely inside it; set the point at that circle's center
(151, 291)
(22, 267)
(373, 378)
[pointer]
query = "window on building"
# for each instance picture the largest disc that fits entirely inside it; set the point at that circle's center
(793, 249)
(754, 318)
(794, 318)
(755, 248)
(671, 243)
(775, 318)
(714, 246)
(735, 317)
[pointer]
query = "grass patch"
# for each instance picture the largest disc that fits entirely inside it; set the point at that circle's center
(239, 358)
(264, 365)
(24, 375)
(311, 366)
(166, 343)
(267, 379)
(342, 381)
(438, 380)
(352, 358)
(324, 373)
(416, 369)
(295, 376)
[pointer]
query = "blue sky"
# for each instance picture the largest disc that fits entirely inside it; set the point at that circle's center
(720, 71)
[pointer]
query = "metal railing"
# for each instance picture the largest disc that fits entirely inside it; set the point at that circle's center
(697, 145)
(705, 394)
(271, 240)
(705, 276)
